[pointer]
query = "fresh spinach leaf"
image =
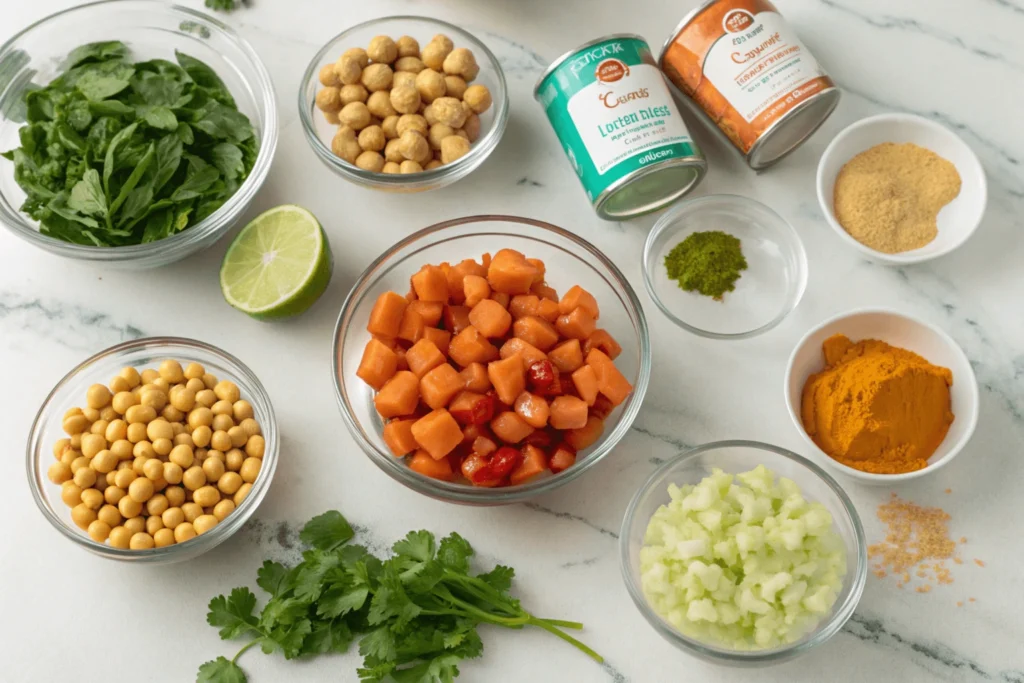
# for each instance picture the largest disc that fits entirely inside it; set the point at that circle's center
(97, 52)
(87, 195)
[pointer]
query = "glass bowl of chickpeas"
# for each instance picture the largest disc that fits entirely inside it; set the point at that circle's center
(155, 450)
(403, 104)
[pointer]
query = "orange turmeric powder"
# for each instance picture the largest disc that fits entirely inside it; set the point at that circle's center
(877, 408)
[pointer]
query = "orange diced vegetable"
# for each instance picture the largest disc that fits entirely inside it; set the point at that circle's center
(548, 309)
(403, 364)
(438, 386)
(530, 353)
(469, 346)
(508, 376)
(562, 459)
(398, 436)
(475, 289)
(424, 356)
(410, 296)
(439, 337)
(511, 273)
(544, 291)
(378, 365)
(587, 435)
(510, 428)
(541, 269)
(522, 305)
(567, 356)
(437, 433)
(411, 329)
(533, 409)
(399, 396)
(585, 381)
(389, 342)
(536, 331)
(471, 408)
(501, 297)
(490, 318)
(578, 297)
(457, 278)
(456, 318)
(483, 445)
(485, 260)
(386, 316)
(475, 376)
(431, 284)
(610, 381)
(568, 412)
(430, 311)
(471, 469)
(423, 463)
(600, 339)
(534, 462)
(576, 325)
(602, 407)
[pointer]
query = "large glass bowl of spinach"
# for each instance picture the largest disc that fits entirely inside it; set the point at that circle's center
(133, 132)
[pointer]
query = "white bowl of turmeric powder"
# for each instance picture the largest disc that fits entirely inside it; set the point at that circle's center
(901, 188)
(880, 396)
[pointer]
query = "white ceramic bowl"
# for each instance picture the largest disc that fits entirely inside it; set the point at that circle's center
(956, 222)
(900, 330)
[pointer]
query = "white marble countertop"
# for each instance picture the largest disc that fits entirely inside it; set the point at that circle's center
(72, 616)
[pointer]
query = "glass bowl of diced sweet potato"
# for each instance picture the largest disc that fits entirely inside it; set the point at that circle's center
(490, 359)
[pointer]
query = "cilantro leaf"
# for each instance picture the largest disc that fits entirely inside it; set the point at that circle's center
(327, 531)
(220, 670)
(328, 636)
(380, 644)
(500, 577)
(233, 614)
(454, 552)
(275, 578)
(417, 545)
(339, 601)
(290, 638)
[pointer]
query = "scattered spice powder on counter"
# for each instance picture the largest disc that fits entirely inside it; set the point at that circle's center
(708, 262)
(875, 407)
(889, 197)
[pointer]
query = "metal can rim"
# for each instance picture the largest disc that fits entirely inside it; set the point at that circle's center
(590, 43)
(698, 161)
(683, 23)
(773, 128)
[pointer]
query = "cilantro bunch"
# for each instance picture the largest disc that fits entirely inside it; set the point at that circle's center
(226, 5)
(116, 153)
(414, 614)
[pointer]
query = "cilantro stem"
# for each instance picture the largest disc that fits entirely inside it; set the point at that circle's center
(575, 625)
(511, 622)
(244, 648)
(566, 637)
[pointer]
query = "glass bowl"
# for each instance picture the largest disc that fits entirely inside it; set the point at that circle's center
(70, 392)
(151, 29)
(767, 290)
(578, 262)
(492, 122)
(734, 457)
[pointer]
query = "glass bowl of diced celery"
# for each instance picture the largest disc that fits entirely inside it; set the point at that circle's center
(743, 553)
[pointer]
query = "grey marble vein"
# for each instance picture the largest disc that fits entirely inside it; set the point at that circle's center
(1006, 4)
(664, 438)
(572, 518)
(54, 320)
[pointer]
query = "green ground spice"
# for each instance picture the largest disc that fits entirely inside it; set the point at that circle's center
(707, 262)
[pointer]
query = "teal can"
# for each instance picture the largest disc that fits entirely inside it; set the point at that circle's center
(617, 122)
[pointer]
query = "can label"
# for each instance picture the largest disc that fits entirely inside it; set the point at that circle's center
(613, 113)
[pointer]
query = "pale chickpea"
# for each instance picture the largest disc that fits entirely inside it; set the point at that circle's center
(224, 508)
(118, 384)
(355, 115)
(233, 460)
(413, 145)
(414, 122)
(452, 148)
(105, 461)
(430, 85)
(204, 523)
(92, 499)
(116, 430)
(175, 496)
(403, 79)
(429, 116)
(205, 398)
(408, 46)
(171, 371)
(344, 144)
(370, 161)
(183, 439)
(75, 424)
(405, 100)
(372, 139)
(71, 493)
(410, 166)
(79, 463)
(98, 396)
(328, 99)
(478, 97)
(210, 380)
(229, 483)
(58, 473)
(472, 127)
(351, 93)
(382, 49)
(141, 490)
(184, 532)
(392, 152)
(128, 506)
(82, 515)
(124, 478)
(251, 426)
(70, 456)
(85, 477)
(183, 399)
(182, 456)
(141, 541)
(201, 436)
(193, 478)
(143, 449)
(390, 127)
(159, 429)
(199, 417)
(461, 62)
(110, 515)
(163, 446)
(163, 538)
(410, 65)
(76, 440)
(122, 450)
(376, 77)
(208, 496)
(136, 432)
(250, 469)
(139, 413)
(438, 132)
(449, 111)
(99, 427)
(379, 104)
(171, 473)
(435, 51)
(98, 531)
(255, 446)
(213, 468)
(455, 86)
(153, 468)
(359, 55)
(347, 70)
(227, 391)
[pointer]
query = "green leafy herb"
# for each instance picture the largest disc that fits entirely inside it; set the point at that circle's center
(414, 614)
(102, 151)
(227, 5)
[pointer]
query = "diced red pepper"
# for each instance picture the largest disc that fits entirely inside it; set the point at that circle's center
(477, 469)
(602, 407)
(505, 460)
(543, 378)
(563, 458)
(469, 408)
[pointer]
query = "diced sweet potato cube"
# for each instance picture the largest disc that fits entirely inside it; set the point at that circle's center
(411, 329)
(386, 316)
(475, 376)
(471, 408)
(485, 260)
(440, 385)
(490, 318)
(441, 338)
(536, 331)
(529, 353)
(430, 311)
(567, 356)
(471, 431)
(600, 339)
(533, 409)
(403, 364)
(424, 356)
(563, 458)
(578, 297)
(477, 469)
(544, 291)
(602, 407)
(510, 272)
(437, 433)
(568, 412)
(456, 318)
(610, 381)
(548, 309)
(379, 364)
(534, 462)
(510, 428)
(398, 436)
(585, 381)
(543, 439)
(587, 435)
(469, 346)
(522, 305)
(508, 377)
(424, 464)
(399, 396)
(410, 296)
(501, 297)
(431, 284)
(389, 342)
(576, 325)
(483, 445)
(475, 289)
(541, 269)
(457, 278)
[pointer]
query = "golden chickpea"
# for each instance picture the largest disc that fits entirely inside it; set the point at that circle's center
(205, 398)
(413, 145)
(435, 52)
(79, 463)
(410, 166)
(71, 493)
(478, 97)
(128, 506)
(376, 77)
(119, 537)
(213, 468)
(163, 538)
(139, 413)
(131, 376)
(92, 444)
(455, 86)
(349, 94)
(141, 541)
(105, 461)
(99, 531)
(136, 432)
(82, 515)
(182, 456)
(183, 399)
(171, 371)
(99, 427)
(141, 490)
(449, 111)
(430, 85)
(409, 64)
(153, 469)
(216, 455)
(195, 370)
(229, 483)
(403, 79)
(135, 525)
(122, 450)
(193, 510)
(163, 446)
(184, 532)
(139, 464)
(355, 115)
(347, 71)
(172, 517)
(98, 396)
(58, 473)
(222, 409)
(328, 99)
(204, 523)
(200, 417)
(382, 49)
(85, 477)
(108, 414)
(392, 152)
(207, 496)
(461, 62)
(379, 104)
(201, 436)
(242, 492)
(70, 456)
(390, 126)
(116, 430)
(238, 436)
(173, 416)
(210, 380)
(113, 494)
(405, 100)
(195, 385)
(60, 446)
(233, 460)
(157, 504)
(76, 440)
(224, 508)
(159, 429)
(453, 148)
(250, 469)
(438, 132)
(71, 412)
(109, 515)
(226, 391)
(124, 478)
(148, 375)
(124, 400)
(220, 441)
(119, 384)
(75, 424)
(172, 473)
(183, 439)
(175, 496)
(143, 449)
(92, 499)
(193, 478)
(255, 446)
(242, 410)
(154, 524)
(370, 161)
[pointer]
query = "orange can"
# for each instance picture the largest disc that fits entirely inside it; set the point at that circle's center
(742, 64)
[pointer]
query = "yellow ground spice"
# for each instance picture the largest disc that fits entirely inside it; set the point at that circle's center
(889, 197)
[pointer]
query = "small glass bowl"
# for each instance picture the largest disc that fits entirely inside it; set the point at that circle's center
(735, 457)
(571, 260)
(492, 122)
(150, 29)
(767, 290)
(70, 392)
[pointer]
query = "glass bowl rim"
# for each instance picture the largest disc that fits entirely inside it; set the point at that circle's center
(795, 290)
(248, 381)
(477, 151)
(219, 220)
(462, 493)
(839, 615)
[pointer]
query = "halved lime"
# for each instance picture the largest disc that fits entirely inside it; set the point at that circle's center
(278, 265)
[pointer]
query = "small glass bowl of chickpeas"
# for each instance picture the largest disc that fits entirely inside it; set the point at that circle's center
(154, 450)
(403, 104)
